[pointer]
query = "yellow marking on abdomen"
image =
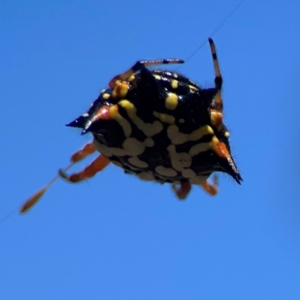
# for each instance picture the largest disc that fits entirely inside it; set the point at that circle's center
(165, 118)
(105, 96)
(147, 128)
(114, 114)
(179, 161)
(120, 90)
(193, 88)
(133, 147)
(174, 84)
(135, 161)
(178, 138)
(171, 101)
(108, 151)
(198, 148)
(188, 173)
(168, 172)
(131, 78)
(147, 176)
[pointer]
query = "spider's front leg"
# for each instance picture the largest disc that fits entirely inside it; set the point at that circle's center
(140, 65)
(96, 166)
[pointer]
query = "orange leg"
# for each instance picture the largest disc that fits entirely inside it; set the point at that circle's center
(142, 64)
(76, 157)
(216, 119)
(182, 191)
(96, 166)
(88, 149)
(211, 188)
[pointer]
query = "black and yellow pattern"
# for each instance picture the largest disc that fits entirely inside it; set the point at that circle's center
(158, 125)
(161, 126)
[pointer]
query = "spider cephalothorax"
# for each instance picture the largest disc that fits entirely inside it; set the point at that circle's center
(160, 126)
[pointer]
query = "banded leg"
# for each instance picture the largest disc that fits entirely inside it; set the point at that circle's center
(182, 191)
(143, 64)
(218, 103)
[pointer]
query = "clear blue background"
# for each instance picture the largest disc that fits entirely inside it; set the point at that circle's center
(115, 237)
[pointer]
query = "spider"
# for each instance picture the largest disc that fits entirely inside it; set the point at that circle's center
(158, 125)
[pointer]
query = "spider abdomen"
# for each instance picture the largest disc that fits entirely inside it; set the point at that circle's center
(159, 127)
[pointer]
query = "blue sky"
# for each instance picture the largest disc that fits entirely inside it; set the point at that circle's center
(115, 237)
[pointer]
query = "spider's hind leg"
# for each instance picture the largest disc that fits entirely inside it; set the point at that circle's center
(211, 188)
(182, 191)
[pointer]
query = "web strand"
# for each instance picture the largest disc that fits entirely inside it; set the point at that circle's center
(216, 29)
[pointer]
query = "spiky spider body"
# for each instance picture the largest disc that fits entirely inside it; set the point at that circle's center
(161, 126)
(158, 125)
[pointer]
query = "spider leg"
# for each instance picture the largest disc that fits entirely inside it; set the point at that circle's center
(87, 150)
(76, 157)
(182, 191)
(216, 118)
(211, 188)
(140, 65)
(96, 166)
(218, 103)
